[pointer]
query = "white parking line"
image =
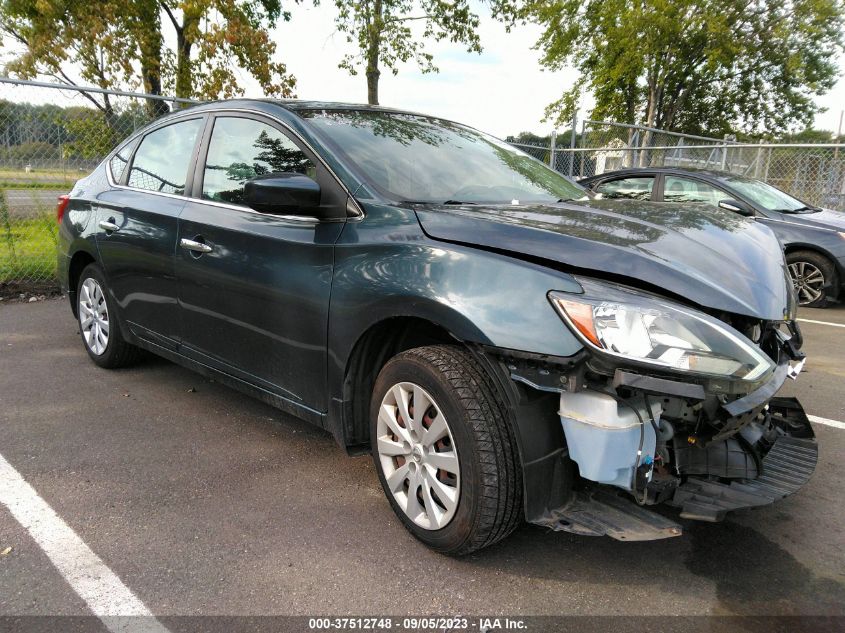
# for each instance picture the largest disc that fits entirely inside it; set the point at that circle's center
(822, 322)
(84, 571)
(834, 423)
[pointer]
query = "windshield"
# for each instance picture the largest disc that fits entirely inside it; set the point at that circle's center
(419, 159)
(767, 196)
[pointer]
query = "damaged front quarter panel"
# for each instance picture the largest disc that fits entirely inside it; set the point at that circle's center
(636, 434)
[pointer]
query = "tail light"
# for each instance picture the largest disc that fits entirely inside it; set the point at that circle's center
(61, 206)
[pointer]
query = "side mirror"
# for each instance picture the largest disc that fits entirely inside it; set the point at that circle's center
(736, 206)
(283, 193)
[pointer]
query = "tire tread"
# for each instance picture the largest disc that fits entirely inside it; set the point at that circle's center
(500, 488)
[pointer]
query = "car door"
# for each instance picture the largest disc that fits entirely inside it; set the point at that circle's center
(255, 305)
(640, 187)
(137, 228)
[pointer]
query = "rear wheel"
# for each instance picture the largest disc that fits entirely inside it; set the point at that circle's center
(813, 276)
(444, 449)
(98, 322)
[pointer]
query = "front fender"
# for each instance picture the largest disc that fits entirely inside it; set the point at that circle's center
(385, 266)
(798, 236)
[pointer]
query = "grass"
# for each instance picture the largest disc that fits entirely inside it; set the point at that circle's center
(8, 184)
(13, 178)
(27, 246)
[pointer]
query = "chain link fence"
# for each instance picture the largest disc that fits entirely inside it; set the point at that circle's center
(50, 137)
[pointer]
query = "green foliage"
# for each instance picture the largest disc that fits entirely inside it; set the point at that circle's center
(123, 44)
(383, 32)
(26, 152)
(215, 39)
(49, 135)
(696, 66)
(28, 247)
(564, 139)
(809, 135)
(89, 137)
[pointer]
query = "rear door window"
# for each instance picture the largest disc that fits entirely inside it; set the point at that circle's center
(635, 188)
(677, 189)
(241, 149)
(161, 161)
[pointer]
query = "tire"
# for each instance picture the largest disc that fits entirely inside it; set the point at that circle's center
(101, 335)
(488, 483)
(814, 278)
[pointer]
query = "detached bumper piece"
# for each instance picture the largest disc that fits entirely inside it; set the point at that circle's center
(602, 512)
(786, 468)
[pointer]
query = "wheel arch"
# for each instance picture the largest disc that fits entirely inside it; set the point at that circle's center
(376, 345)
(794, 247)
(76, 264)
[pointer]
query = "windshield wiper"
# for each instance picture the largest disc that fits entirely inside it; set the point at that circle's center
(449, 202)
(804, 209)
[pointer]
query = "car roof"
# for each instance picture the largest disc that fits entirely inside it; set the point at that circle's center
(302, 105)
(689, 171)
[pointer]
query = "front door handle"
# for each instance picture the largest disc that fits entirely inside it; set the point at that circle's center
(109, 225)
(197, 247)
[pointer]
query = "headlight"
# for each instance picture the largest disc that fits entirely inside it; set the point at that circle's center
(646, 329)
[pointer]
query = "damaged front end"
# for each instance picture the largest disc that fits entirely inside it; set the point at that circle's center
(667, 405)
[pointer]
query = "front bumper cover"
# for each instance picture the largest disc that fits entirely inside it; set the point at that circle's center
(598, 510)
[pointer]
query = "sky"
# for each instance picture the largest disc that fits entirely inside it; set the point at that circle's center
(502, 91)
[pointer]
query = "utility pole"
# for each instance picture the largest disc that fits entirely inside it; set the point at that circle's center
(572, 142)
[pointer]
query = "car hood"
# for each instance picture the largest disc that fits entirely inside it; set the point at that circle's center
(824, 219)
(713, 258)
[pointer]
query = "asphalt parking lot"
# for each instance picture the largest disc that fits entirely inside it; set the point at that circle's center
(204, 501)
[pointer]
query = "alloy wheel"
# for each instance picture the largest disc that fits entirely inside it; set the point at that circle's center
(808, 280)
(93, 316)
(418, 456)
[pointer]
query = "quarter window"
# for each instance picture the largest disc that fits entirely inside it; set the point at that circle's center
(119, 161)
(638, 188)
(161, 162)
(242, 149)
(685, 190)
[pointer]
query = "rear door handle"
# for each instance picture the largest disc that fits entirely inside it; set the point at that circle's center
(109, 225)
(197, 247)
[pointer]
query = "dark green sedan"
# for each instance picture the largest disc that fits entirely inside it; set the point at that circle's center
(506, 347)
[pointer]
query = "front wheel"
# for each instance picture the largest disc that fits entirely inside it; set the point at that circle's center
(443, 446)
(813, 276)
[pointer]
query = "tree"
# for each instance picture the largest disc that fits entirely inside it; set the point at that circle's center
(383, 33)
(121, 43)
(809, 135)
(695, 66)
(54, 35)
(225, 35)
